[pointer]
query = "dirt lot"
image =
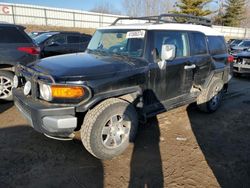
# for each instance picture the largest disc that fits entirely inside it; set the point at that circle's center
(180, 148)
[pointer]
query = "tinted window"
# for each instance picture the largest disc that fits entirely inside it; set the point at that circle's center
(41, 38)
(59, 39)
(178, 39)
(216, 45)
(84, 39)
(199, 46)
(12, 35)
(73, 39)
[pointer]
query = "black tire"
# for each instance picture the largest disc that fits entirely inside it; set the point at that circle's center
(213, 100)
(4, 77)
(99, 117)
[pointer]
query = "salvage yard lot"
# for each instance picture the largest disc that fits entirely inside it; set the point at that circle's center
(180, 148)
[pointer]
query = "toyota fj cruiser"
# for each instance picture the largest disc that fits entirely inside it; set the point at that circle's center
(129, 72)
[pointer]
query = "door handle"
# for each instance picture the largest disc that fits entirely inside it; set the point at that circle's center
(187, 67)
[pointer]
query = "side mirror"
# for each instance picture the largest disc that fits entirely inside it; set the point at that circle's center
(168, 52)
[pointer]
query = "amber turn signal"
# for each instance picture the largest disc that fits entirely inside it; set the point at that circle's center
(67, 91)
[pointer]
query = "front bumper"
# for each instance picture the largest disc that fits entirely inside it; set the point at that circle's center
(241, 68)
(46, 118)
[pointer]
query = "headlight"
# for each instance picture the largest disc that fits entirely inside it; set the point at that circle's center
(49, 92)
(45, 92)
(72, 92)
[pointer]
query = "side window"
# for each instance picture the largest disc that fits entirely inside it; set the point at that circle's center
(59, 39)
(84, 39)
(199, 44)
(12, 35)
(216, 45)
(179, 39)
(73, 39)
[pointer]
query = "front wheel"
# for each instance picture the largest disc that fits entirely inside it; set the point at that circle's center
(109, 127)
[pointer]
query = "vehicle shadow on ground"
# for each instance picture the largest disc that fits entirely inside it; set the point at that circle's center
(29, 159)
(225, 144)
(5, 105)
(146, 163)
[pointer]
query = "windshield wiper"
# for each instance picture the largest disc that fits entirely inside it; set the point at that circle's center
(98, 52)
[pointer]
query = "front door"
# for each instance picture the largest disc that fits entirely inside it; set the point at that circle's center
(174, 80)
(56, 45)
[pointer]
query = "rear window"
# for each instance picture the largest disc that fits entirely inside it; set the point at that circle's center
(12, 35)
(216, 45)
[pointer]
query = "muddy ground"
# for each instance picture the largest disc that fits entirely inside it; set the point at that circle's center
(180, 148)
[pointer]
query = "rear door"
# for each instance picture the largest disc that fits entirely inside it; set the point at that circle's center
(12, 38)
(201, 57)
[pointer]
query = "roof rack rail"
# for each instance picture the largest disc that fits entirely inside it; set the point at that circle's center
(170, 18)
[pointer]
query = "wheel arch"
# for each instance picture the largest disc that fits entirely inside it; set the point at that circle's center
(131, 95)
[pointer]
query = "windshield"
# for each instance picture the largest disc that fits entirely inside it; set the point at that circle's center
(118, 42)
(40, 38)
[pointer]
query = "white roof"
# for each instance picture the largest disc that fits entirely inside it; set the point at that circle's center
(209, 31)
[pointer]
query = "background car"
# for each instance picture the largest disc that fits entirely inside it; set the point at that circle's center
(57, 43)
(242, 46)
(15, 47)
(233, 42)
(242, 63)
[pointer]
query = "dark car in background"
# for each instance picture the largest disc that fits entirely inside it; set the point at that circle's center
(58, 43)
(15, 47)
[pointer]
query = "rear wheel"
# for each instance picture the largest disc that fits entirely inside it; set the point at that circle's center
(6, 84)
(213, 96)
(109, 127)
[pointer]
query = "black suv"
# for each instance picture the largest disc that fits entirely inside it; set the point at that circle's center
(15, 47)
(128, 72)
(58, 43)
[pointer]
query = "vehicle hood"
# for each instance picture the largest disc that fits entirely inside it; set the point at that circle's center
(85, 66)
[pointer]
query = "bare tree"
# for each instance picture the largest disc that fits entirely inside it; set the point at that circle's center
(146, 7)
(105, 7)
(246, 22)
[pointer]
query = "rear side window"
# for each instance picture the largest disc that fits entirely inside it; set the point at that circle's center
(12, 35)
(73, 39)
(199, 45)
(216, 45)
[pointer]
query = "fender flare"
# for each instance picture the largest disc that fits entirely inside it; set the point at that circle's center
(129, 94)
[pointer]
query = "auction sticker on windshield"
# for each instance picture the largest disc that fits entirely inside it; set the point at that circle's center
(135, 34)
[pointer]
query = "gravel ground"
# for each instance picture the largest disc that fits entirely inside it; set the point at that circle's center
(179, 148)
